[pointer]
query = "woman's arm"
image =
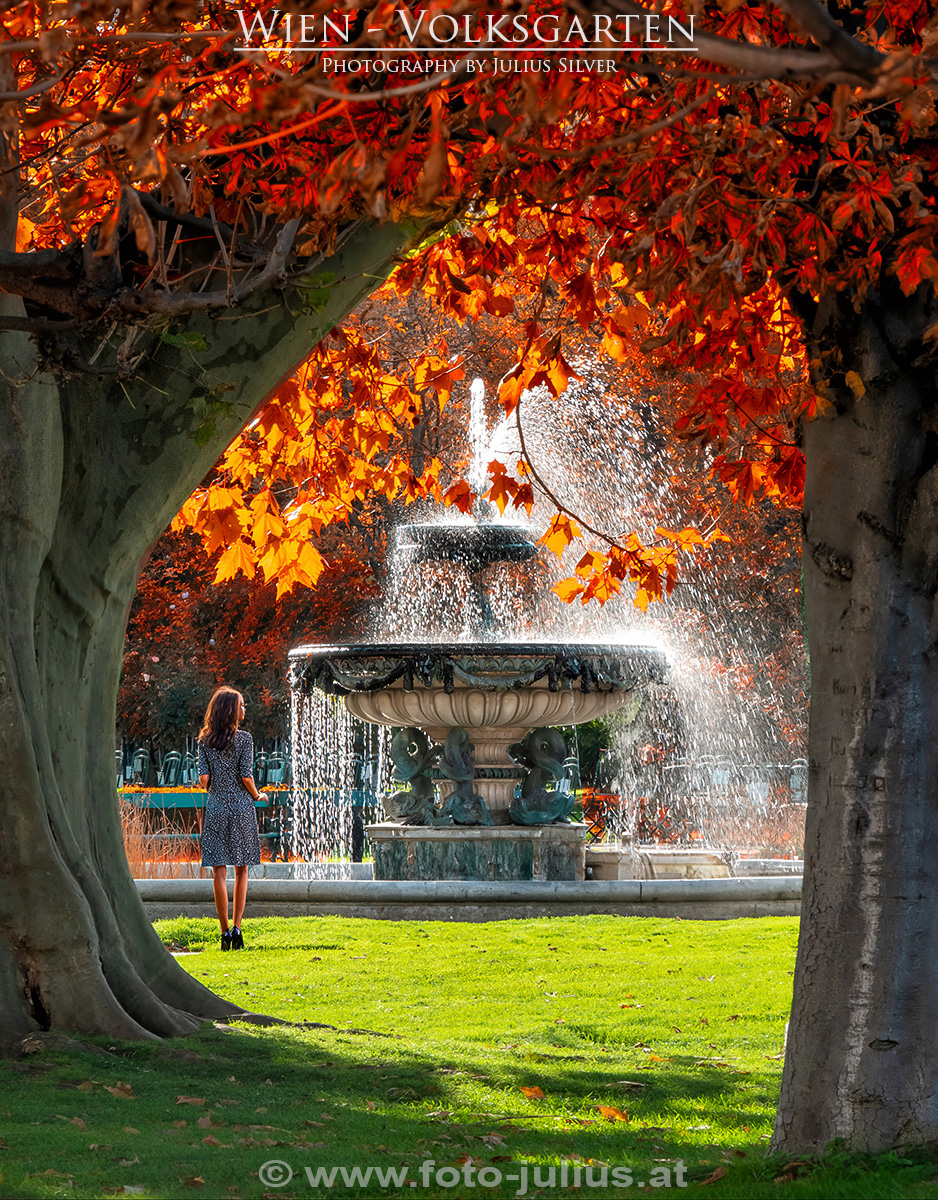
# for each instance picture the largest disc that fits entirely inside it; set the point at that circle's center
(246, 763)
(204, 776)
(248, 781)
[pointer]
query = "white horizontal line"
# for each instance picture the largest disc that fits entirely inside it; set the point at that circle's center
(468, 50)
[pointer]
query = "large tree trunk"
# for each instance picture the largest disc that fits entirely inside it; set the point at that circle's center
(862, 1058)
(92, 469)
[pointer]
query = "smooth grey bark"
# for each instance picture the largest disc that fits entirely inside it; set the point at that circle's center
(862, 1055)
(92, 470)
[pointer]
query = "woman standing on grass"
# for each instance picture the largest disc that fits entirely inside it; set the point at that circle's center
(229, 827)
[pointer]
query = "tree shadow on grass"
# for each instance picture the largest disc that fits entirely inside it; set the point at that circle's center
(209, 1111)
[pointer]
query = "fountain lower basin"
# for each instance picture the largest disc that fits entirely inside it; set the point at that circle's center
(478, 745)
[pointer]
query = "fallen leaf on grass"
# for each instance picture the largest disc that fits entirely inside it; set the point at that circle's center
(87, 1086)
(71, 1120)
(370, 1105)
(792, 1171)
(212, 1140)
(714, 1176)
(612, 1114)
(123, 1091)
(196, 1100)
(127, 1128)
(206, 1122)
(534, 1093)
(194, 1181)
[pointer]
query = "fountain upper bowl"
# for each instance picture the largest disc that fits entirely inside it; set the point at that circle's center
(477, 546)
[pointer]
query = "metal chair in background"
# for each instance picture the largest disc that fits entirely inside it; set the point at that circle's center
(757, 778)
(277, 768)
(140, 768)
(722, 775)
(261, 767)
(701, 776)
(798, 781)
(170, 769)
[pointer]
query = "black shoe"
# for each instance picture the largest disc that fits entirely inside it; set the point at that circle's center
(237, 941)
(227, 940)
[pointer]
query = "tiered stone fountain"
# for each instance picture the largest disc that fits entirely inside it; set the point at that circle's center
(486, 795)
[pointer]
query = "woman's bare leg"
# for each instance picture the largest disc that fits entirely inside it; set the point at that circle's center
(220, 883)
(240, 895)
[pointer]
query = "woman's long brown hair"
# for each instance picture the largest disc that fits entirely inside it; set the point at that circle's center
(221, 718)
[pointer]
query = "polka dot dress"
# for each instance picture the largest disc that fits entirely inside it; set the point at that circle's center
(229, 828)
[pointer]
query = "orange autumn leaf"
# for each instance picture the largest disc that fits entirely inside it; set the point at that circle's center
(560, 533)
(569, 589)
(238, 557)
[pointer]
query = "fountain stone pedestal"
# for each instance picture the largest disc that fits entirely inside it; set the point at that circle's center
(494, 853)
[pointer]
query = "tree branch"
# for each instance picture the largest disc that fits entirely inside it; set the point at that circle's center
(767, 62)
(39, 324)
(160, 303)
(115, 39)
(250, 251)
(36, 90)
(38, 264)
(821, 27)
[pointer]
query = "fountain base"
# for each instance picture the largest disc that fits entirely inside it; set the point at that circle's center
(494, 853)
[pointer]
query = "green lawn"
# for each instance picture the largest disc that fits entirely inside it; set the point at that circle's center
(572, 1044)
